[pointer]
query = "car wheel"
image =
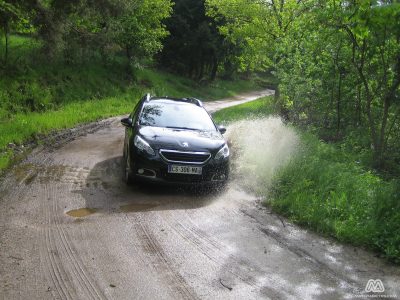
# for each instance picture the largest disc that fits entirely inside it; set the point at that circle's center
(127, 170)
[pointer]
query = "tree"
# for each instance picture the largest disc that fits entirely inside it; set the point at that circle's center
(357, 43)
(337, 62)
(258, 27)
(79, 29)
(13, 15)
(139, 29)
(195, 47)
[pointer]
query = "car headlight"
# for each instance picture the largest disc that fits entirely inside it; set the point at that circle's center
(223, 153)
(141, 144)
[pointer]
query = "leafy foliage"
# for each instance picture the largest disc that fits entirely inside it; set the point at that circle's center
(338, 64)
(139, 29)
(80, 29)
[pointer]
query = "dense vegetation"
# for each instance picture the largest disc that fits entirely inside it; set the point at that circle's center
(338, 65)
(41, 97)
(68, 62)
(325, 187)
(78, 30)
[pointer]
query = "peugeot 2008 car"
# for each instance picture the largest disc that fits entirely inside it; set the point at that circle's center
(169, 140)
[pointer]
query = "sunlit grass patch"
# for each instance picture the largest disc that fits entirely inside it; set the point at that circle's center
(166, 84)
(249, 110)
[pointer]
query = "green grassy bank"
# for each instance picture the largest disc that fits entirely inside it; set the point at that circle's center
(37, 97)
(328, 189)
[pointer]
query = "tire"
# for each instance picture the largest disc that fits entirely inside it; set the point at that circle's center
(127, 169)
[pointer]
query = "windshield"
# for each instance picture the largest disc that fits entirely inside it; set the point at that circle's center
(173, 114)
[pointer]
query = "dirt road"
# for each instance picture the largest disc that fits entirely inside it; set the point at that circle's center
(70, 229)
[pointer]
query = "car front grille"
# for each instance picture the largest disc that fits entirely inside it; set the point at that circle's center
(173, 156)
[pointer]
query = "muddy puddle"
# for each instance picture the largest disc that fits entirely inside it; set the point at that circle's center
(81, 212)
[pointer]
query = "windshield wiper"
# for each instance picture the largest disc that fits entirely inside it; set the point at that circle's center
(176, 127)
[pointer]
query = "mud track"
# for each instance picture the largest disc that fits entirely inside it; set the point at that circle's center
(70, 229)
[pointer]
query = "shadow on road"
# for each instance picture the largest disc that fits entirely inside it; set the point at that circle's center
(105, 191)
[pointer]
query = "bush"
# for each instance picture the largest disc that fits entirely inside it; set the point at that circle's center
(26, 96)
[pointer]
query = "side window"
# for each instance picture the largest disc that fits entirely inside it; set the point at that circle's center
(138, 108)
(135, 112)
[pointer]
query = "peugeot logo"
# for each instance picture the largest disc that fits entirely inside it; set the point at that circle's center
(185, 144)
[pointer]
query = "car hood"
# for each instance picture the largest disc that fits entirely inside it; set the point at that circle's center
(181, 139)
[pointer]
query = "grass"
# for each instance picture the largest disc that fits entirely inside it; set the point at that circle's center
(37, 97)
(163, 83)
(329, 191)
(327, 188)
(250, 110)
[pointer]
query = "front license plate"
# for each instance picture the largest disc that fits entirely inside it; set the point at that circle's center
(184, 169)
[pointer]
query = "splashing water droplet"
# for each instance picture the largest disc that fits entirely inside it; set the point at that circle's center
(260, 148)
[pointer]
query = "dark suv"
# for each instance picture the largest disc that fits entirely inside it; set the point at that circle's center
(169, 140)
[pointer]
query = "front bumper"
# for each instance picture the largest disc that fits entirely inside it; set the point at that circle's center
(155, 169)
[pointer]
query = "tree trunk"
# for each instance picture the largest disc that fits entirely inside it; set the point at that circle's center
(201, 73)
(283, 111)
(277, 94)
(358, 111)
(214, 69)
(379, 152)
(369, 98)
(128, 65)
(339, 99)
(6, 38)
(389, 96)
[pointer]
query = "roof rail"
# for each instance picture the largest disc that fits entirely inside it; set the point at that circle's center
(194, 101)
(187, 99)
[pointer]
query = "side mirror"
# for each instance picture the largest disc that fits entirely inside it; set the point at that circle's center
(127, 122)
(221, 129)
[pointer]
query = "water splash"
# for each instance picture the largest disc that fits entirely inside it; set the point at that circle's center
(260, 148)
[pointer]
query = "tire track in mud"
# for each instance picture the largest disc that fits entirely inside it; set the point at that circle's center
(215, 251)
(51, 271)
(58, 243)
(52, 267)
(23, 175)
(152, 246)
(51, 261)
(45, 174)
(318, 266)
(242, 268)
